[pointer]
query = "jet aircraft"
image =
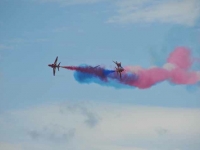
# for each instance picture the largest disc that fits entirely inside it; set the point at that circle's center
(119, 70)
(117, 63)
(54, 66)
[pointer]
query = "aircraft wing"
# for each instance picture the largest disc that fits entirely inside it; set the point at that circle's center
(54, 71)
(120, 75)
(55, 62)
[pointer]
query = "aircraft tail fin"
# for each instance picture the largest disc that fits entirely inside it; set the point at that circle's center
(58, 66)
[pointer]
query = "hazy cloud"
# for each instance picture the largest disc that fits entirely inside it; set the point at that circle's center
(9, 146)
(161, 131)
(184, 12)
(53, 134)
(65, 126)
(91, 119)
(34, 134)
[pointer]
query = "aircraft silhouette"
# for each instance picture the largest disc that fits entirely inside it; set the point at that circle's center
(54, 66)
(119, 69)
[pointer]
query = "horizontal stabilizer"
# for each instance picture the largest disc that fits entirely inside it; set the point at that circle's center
(58, 66)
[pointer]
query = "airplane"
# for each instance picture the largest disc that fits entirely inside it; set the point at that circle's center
(119, 70)
(117, 63)
(54, 66)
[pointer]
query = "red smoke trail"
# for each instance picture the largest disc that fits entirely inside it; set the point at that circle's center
(181, 58)
(176, 70)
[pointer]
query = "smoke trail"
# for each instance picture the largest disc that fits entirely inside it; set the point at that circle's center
(176, 70)
(102, 76)
(91, 72)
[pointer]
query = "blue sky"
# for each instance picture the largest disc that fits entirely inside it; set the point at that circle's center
(34, 32)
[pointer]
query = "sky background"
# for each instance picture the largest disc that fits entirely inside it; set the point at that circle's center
(43, 112)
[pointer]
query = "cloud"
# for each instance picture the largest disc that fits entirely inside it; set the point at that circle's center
(52, 134)
(63, 126)
(34, 134)
(91, 119)
(9, 146)
(161, 131)
(184, 12)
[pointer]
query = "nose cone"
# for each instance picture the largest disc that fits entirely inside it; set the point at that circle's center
(49, 65)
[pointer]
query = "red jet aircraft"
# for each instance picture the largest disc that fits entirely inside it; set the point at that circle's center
(119, 68)
(118, 64)
(54, 66)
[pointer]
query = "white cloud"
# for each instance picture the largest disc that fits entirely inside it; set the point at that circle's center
(184, 12)
(111, 127)
(9, 146)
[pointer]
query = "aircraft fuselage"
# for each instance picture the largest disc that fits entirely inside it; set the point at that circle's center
(53, 65)
(120, 69)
